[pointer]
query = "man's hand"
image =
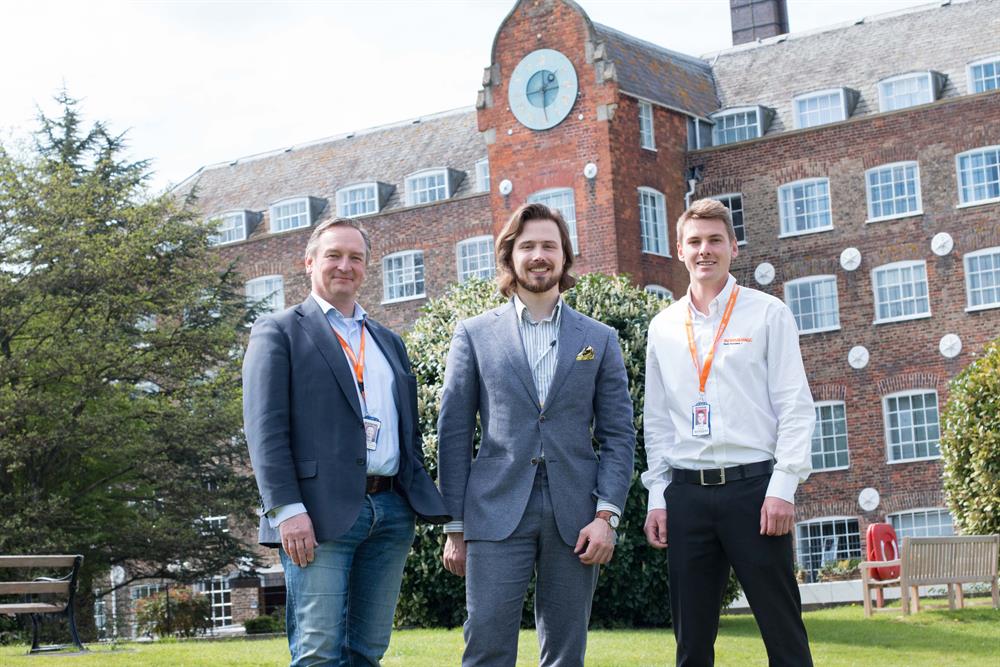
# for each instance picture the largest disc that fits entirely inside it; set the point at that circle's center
(776, 516)
(454, 553)
(656, 529)
(298, 539)
(599, 540)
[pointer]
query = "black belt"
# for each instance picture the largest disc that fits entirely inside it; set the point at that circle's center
(378, 484)
(718, 476)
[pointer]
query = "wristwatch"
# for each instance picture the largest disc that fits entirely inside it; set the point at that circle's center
(612, 518)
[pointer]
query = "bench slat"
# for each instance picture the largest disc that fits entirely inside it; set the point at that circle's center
(12, 587)
(31, 608)
(37, 561)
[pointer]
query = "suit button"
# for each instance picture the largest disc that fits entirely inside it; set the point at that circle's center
(542, 418)
(534, 461)
(361, 462)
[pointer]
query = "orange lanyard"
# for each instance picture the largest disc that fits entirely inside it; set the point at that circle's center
(358, 362)
(703, 371)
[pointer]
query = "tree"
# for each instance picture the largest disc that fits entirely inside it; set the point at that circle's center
(970, 445)
(119, 365)
(632, 589)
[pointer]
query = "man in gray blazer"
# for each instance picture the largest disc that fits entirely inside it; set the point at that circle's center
(330, 415)
(544, 381)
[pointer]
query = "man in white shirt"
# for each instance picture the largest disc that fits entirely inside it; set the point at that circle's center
(728, 424)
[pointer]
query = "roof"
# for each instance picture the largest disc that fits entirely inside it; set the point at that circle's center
(659, 75)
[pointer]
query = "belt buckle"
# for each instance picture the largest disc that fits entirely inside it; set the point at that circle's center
(722, 477)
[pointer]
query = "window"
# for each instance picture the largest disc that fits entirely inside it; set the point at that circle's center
(829, 438)
(219, 593)
(215, 524)
(653, 222)
(426, 186)
(982, 278)
(827, 106)
(911, 425)
(646, 138)
(984, 75)
(483, 175)
(804, 207)
(901, 291)
(813, 302)
(905, 90)
(357, 200)
(979, 175)
(403, 276)
(699, 133)
(893, 191)
(934, 522)
(562, 200)
(290, 214)
(735, 205)
(659, 291)
(736, 125)
(139, 592)
(232, 227)
(828, 540)
(100, 617)
(475, 258)
(268, 292)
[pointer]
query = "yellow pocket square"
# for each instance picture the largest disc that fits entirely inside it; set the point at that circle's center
(586, 354)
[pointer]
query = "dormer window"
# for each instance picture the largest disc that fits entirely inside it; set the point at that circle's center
(907, 90)
(732, 125)
(483, 175)
(290, 214)
(357, 200)
(984, 75)
(427, 186)
(824, 106)
(232, 227)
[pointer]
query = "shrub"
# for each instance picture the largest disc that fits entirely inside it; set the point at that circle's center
(272, 623)
(177, 611)
(632, 590)
(970, 445)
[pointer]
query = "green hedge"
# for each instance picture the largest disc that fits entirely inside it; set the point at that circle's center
(632, 590)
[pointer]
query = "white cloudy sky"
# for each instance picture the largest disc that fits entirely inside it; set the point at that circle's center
(196, 83)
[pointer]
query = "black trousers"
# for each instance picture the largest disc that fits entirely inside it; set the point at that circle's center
(710, 528)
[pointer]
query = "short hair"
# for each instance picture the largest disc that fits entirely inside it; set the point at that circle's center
(706, 209)
(327, 225)
(506, 277)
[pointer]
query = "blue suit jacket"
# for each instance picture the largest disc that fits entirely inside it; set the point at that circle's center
(304, 426)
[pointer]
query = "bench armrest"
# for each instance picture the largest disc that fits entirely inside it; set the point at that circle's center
(869, 564)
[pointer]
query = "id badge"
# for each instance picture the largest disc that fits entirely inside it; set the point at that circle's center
(372, 426)
(701, 419)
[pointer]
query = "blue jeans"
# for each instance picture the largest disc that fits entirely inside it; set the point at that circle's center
(340, 607)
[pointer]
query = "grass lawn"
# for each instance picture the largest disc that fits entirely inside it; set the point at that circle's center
(840, 637)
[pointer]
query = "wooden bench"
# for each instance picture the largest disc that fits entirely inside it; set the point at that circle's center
(65, 585)
(937, 561)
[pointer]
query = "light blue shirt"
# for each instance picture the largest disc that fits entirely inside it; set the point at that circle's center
(379, 400)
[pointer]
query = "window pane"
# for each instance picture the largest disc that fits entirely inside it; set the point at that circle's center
(829, 450)
(901, 292)
(922, 523)
(403, 276)
(824, 541)
(426, 188)
(735, 205)
(736, 126)
(979, 175)
(813, 302)
(982, 278)
(290, 215)
(653, 222)
(912, 426)
(819, 109)
(905, 92)
(805, 206)
(646, 137)
(475, 259)
(267, 292)
(892, 191)
(561, 200)
(985, 76)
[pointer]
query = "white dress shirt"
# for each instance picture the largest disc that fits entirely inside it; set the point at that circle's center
(761, 407)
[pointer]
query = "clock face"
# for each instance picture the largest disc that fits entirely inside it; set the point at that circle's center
(542, 89)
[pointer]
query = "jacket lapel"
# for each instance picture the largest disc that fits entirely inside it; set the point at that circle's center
(571, 339)
(509, 337)
(314, 323)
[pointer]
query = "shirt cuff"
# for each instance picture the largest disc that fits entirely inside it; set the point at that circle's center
(454, 527)
(605, 506)
(283, 512)
(656, 499)
(783, 485)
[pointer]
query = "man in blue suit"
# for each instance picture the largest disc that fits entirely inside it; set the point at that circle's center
(330, 415)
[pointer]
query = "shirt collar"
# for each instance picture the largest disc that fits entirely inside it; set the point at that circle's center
(524, 314)
(717, 302)
(359, 314)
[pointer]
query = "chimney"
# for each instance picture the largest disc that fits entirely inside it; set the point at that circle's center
(757, 19)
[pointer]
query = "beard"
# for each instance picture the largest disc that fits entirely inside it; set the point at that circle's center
(525, 280)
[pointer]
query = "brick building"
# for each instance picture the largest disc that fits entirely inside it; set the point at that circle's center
(861, 162)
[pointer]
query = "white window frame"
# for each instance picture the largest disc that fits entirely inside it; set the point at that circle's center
(276, 224)
(221, 219)
(887, 428)
(371, 189)
(545, 196)
(995, 251)
(412, 268)
(892, 166)
(720, 116)
(840, 92)
(902, 532)
(958, 173)
(788, 188)
(810, 280)
(221, 522)
(475, 241)
(483, 175)
(883, 99)
(875, 286)
(270, 295)
(727, 199)
(652, 232)
(647, 133)
(800, 553)
(994, 59)
(220, 597)
(659, 291)
(412, 192)
(822, 454)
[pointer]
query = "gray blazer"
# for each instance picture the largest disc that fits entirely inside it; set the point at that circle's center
(487, 373)
(304, 426)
